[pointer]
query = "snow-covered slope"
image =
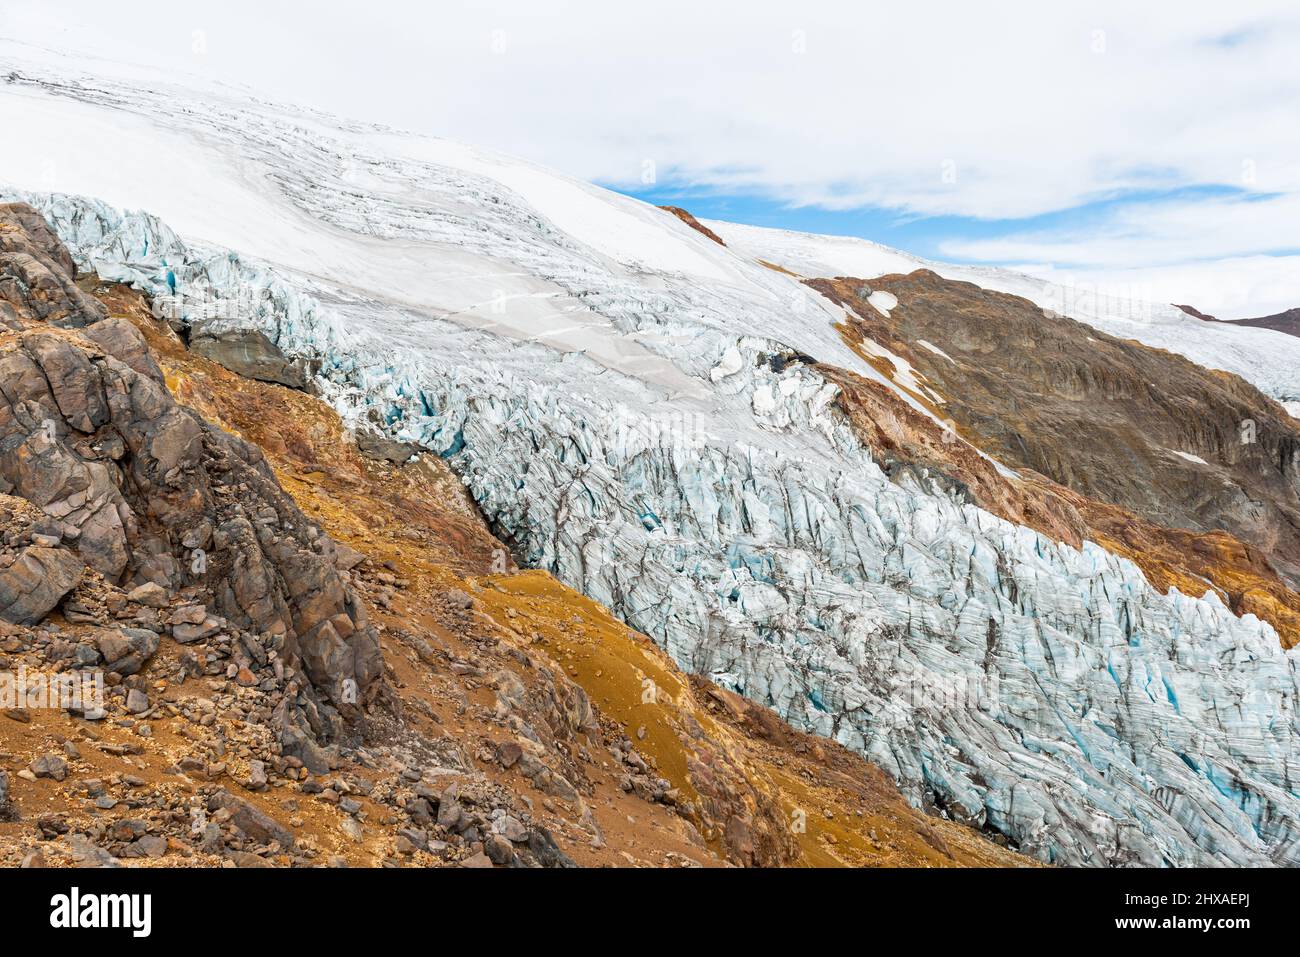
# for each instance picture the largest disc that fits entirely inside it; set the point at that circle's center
(1268, 359)
(612, 388)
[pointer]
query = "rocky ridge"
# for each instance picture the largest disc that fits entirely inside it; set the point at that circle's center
(148, 496)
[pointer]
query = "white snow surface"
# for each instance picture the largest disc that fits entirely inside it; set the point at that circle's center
(924, 344)
(605, 381)
(1264, 357)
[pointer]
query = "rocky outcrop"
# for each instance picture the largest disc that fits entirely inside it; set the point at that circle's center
(37, 274)
(36, 581)
(142, 490)
(377, 445)
(248, 352)
(1195, 313)
(686, 217)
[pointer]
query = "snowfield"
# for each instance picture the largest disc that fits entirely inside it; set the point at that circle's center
(613, 389)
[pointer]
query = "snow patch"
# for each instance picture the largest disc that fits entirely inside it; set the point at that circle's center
(935, 349)
(882, 301)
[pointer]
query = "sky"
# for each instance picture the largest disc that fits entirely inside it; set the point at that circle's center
(1152, 148)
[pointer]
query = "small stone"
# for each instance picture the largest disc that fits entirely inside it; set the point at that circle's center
(256, 775)
(150, 594)
(352, 829)
(458, 599)
(49, 766)
(189, 614)
(509, 754)
(137, 702)
(498, 849)
(151, 845)
(449, 812)
(415, 837)
(511, 828)
(211, 842)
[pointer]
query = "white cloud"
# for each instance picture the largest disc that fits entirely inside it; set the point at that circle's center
(1232, 288)
(1204, 252)
(930, 108)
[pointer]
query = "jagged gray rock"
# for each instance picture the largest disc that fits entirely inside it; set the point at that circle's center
(36, 582)
(151, 496)
(250, 353)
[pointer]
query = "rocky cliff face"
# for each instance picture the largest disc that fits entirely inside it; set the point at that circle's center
(148, 495)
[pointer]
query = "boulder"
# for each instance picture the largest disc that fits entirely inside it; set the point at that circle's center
(250, 353)
(379, 446)
(36, 582)
(257, 824)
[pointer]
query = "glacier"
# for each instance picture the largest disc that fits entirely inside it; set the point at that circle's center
(617, 393)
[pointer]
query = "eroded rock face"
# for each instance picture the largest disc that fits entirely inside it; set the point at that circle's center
(37, 275)
(145, 491)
